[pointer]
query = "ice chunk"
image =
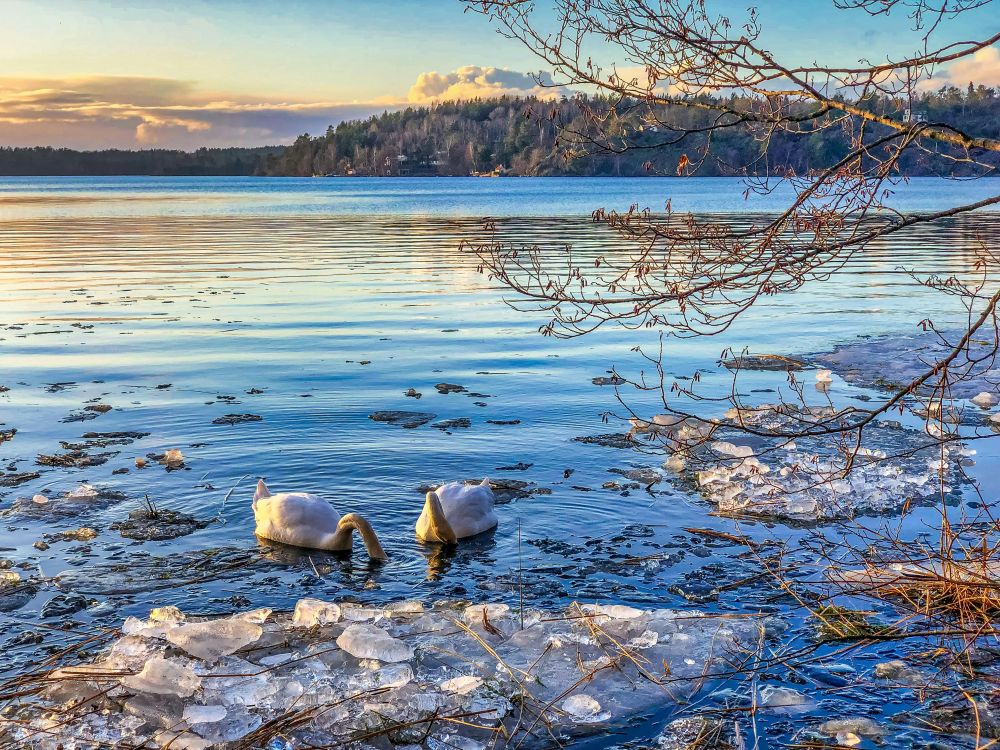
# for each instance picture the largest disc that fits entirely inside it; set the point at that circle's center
(474, 614)
(164, 677)
(984, 400)
(676, 462)
(648, 639)
(462, 685)
(406, 608)
(860, 725)
(195, 714)
(83, 493)
(824, 376)
(730, 449)
(311, 612)
(772, 696)
(357, 613)
(584, 709)
(364, 641)
(182, 740)
(614, 611)
(211, 639)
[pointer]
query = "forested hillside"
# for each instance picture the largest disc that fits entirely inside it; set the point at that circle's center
(531, 137)
(537, 137)
(46, 161)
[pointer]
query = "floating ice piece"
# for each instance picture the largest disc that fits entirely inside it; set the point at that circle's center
(83, 493)
(356, 613)
(860, 725)
(824, 376)
(39, 500)
(658, 424)
(984, 400)
(370, 642)
(212, 639)
(180, 740)
(407, 608)
(675, 463)
(164, 677)
(614, 611)
(729, 449)
(475, 613)
(584, 709)
(312, 612)
(648, 639)
(196, 714)
(462, 685)
(772, 696)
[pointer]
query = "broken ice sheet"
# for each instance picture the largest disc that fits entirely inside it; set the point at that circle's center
(804, 479)
(419, 664)
(211, 639)
(371, 642)
(164, 677)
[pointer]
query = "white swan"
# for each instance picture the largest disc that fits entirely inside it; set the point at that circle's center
(305, 520)
(455, 511)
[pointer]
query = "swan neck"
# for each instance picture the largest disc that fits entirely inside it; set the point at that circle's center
(440, 528)
(352, 521)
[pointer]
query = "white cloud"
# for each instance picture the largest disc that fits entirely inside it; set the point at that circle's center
(473, 81)
(136, 112)
(981, 68)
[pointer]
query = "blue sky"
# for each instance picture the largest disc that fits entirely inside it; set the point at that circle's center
(95, 73)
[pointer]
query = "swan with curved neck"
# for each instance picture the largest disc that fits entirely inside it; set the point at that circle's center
(304, 520)
(455, 511)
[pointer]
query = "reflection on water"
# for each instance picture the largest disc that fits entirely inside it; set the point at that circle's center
(313, 321)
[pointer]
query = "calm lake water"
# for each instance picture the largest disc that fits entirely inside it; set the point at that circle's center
(314, 303)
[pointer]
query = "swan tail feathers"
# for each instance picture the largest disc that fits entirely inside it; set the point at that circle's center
(261, 493)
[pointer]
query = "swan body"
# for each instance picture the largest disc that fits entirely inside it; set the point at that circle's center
(305, 520)
(455, 511)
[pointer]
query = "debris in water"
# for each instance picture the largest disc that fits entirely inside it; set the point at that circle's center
(611, 440)
(82, 534)
(76, 459)
(155, 524)
(405, 419)
(173, 458)
(765, 362)
(613, 380)
(446, 388)
(17, 478)
(452, 424)
(232, 419)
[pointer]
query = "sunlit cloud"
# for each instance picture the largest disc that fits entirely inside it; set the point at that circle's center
(473, 81)
(140, 112)
(981, 68)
